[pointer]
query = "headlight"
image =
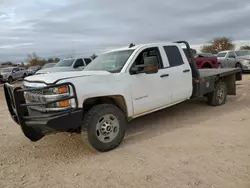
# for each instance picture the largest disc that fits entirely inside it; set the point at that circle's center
(53, 98)
(246, 62)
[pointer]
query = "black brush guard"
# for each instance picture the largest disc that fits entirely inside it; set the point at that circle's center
(36, 127)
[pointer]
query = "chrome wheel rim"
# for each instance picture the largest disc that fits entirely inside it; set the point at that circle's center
(220, 95)
(107, 128)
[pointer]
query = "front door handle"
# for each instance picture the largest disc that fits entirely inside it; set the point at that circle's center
(187, 70)
(164, 75)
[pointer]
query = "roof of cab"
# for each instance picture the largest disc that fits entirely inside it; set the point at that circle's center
(139, 46)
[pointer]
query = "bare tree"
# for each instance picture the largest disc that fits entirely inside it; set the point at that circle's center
(246, 47)
(93, 56)
(218, 44)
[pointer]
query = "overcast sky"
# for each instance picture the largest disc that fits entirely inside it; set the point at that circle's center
(81, 27)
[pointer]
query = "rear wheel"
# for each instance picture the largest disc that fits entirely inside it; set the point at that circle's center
(10, 79)
(218, 96)
(219, 66)
(206, 66)
(106, 125)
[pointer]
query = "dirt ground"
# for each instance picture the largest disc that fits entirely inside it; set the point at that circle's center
(189, 145)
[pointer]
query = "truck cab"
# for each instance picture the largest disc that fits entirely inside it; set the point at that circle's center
(116, 87)
(67, 64)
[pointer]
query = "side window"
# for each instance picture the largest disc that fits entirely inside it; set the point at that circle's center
(149, 56)
(174, 56)
(79, 63)
(87, 60)
(231, 55)
(15, 70)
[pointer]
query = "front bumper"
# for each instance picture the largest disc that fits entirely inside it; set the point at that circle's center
(246, 68)
(37, 126)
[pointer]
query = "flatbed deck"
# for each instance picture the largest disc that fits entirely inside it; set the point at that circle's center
(204, 73)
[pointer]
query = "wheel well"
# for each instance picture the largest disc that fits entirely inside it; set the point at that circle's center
(117, 100)
(237, 64)
(206, 65)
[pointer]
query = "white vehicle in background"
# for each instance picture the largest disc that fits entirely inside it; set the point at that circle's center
(10, 74)
(237, 58)
(65, 65)
(48, 65)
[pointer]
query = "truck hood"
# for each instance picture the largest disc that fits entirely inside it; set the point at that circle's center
(54, 77)
(55, 69)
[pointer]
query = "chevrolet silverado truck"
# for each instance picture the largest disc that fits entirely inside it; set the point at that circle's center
(204, 60)
(115, 88)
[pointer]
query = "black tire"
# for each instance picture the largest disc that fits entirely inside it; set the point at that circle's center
(10, 79)
(206, 66)
(24, 75)
(219, 66)
(92, 120)
(238, 65)
(218, 96)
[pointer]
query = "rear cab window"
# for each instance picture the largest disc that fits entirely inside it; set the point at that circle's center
(87, 60)
(174, 56)
(222, 54)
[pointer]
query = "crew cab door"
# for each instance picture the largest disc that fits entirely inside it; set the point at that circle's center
(15, 73)
(79, 64)
(231, 59)
(149, 91)
(180, 74)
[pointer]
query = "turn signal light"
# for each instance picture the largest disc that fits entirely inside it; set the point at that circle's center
(62, 89)
(63, 104)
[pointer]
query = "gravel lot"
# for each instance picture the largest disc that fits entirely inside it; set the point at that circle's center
(189, 145)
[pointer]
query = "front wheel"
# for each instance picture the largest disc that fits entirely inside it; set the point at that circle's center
(238, 65)
(106, 126)
(218, 96)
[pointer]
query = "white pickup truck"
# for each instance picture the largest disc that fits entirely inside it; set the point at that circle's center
(116, 87)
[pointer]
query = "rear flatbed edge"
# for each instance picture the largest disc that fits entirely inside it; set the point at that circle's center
(205, 73)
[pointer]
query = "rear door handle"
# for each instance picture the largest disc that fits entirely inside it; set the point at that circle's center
(187, 70)
(164, 75)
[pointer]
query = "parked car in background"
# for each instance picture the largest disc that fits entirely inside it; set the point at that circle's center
(33, 69)
(238, 58)
(10, 74)
(65, 65)
(204, 60)
(48, 65)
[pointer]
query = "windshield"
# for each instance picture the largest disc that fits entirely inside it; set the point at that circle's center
(242, 53)
(112, 62)
(48, 65)
(6, 70)
(65, 63)
(223, 54)
(33, 68)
